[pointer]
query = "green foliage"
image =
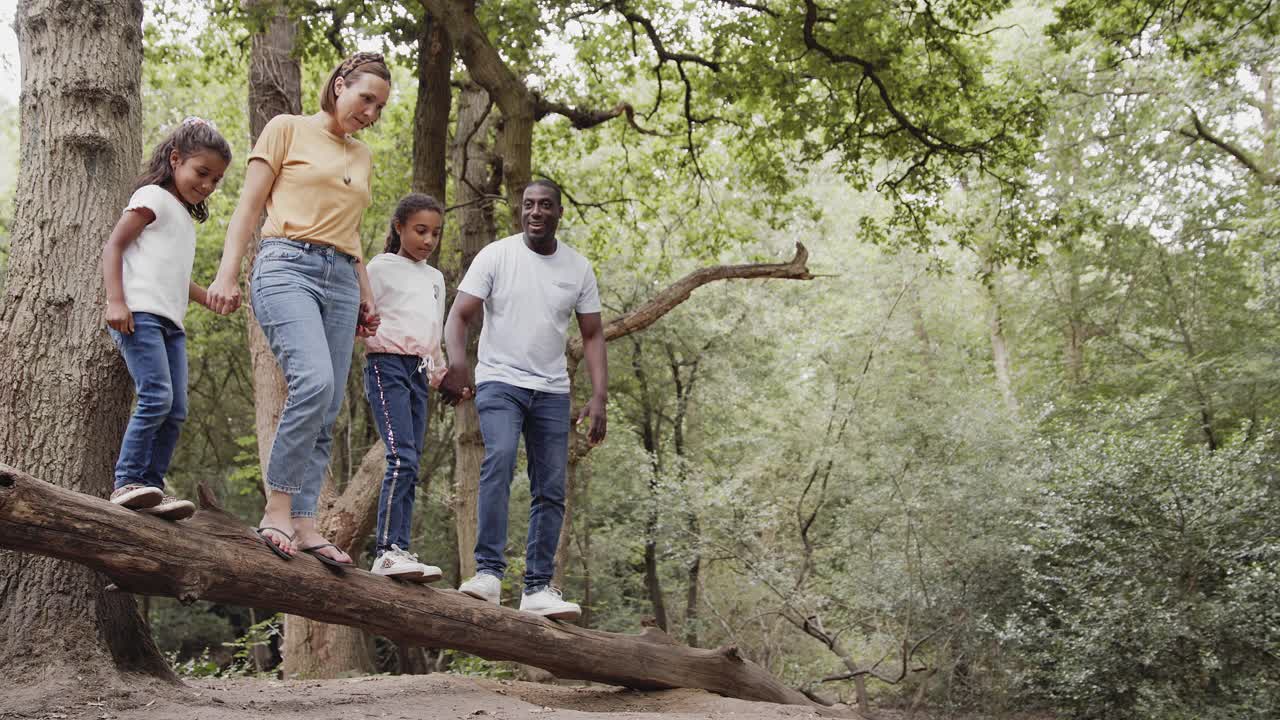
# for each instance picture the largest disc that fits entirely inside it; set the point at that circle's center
(472, 666)
(1151, 576)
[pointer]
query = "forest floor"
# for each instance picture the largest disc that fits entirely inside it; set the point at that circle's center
(406, 697)
(403, 697)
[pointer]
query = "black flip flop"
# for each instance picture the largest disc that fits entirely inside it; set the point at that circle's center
(274, 548)
(325, 558)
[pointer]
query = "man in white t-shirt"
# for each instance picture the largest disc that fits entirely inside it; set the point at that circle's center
(528, 286)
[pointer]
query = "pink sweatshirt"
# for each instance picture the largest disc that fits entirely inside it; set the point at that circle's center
(410, 299)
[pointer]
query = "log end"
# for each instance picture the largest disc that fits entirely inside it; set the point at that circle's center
(730, 653)
(207, 500)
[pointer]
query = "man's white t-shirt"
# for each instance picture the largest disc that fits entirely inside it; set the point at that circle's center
(528, 301)
(157, 266)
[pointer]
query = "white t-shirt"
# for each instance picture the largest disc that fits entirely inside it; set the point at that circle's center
(157, 266)
(528, 300)
(410, 299)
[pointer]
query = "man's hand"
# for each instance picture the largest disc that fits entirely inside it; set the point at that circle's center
(599, 423)
(119, 318)
(457, 385)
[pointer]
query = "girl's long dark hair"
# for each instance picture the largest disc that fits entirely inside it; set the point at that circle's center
(190, 137)
(409, 204)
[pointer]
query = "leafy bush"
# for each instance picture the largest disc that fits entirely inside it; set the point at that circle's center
(1152, 580)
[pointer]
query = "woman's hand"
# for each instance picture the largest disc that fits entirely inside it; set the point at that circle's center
(367, 325)
(223, 296)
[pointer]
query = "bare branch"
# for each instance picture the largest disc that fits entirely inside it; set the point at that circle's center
(662, 303)
(1203, 133)
(583, 119)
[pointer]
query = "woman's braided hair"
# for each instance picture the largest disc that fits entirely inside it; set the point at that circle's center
(350, 70)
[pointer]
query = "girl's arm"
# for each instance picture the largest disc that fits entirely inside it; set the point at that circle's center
(127, 230)
(367, 324)
(197, 294)
(439, 367)
(224, 292)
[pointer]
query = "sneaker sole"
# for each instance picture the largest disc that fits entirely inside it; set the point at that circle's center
(478, 596)
(177, 512)
(556, 614)
(414, 577)
(140, 499)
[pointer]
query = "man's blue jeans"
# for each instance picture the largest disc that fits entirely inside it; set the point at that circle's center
(506, 412)
(397, 392)
(156, 354)
(307, 300)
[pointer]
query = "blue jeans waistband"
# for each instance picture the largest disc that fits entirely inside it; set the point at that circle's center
(310, 247)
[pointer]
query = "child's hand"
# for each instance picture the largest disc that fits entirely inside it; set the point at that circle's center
(223, 297)
(367, 325)
(119, 318)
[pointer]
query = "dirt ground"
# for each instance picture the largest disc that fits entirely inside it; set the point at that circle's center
(406, 697)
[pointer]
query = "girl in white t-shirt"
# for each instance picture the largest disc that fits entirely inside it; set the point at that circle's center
(403, 361)
(146, 267)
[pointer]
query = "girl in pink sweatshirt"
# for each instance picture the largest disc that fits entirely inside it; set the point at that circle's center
(403, 361)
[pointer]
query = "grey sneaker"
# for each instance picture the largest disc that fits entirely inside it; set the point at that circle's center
(137, 496)
(172, 508)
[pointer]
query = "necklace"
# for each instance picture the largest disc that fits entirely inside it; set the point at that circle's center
(346, 166)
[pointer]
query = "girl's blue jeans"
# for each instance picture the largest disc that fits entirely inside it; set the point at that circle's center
(156, 354)
(397, 392)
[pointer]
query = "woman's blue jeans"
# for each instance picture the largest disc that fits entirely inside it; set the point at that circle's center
(307, 300)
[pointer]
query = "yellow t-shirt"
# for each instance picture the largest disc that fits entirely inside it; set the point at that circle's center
(309, 200)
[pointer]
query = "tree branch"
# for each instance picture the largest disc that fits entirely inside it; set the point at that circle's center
(662, 303)
(586, 119)
(1203, 133)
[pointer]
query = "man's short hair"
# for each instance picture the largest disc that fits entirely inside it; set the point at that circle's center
(550, 185)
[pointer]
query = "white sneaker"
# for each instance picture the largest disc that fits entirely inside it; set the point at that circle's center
(549, 603)
(401, 565)
(483, 586)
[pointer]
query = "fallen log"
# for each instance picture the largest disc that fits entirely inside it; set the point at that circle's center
(213, 556)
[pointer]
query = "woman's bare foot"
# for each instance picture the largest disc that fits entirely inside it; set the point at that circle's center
(277, 516)
(306, 536)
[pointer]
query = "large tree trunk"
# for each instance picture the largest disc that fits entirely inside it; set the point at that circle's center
(214, 557)
(65, 397)
(477, 182)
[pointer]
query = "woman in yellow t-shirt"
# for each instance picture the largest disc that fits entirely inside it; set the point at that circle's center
(309, 288)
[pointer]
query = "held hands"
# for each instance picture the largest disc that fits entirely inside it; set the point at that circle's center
(457, 385)
(595, 410)
(223, 296)
(367, 325)
(119, 318)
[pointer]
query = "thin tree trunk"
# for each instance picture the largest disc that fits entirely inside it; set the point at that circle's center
(477, 183)
(65, 398)
(999, 346)
(275, 88)
(431, 115)
(642, 317)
